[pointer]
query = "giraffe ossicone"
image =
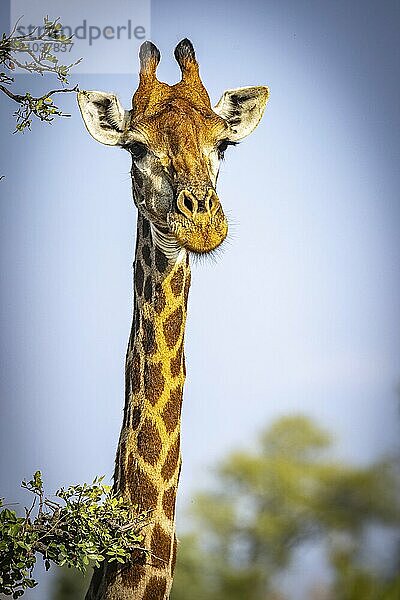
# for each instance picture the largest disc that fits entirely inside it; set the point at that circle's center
(176, 140)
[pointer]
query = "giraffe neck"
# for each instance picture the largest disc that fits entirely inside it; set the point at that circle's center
(148, 456)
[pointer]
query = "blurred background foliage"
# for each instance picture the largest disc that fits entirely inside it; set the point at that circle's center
(265, 504)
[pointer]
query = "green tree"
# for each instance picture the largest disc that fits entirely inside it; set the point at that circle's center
(81, 526)
(356, 582)
(267, 503)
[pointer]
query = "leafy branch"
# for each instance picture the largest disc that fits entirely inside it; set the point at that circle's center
(18, 50)
(88, 526)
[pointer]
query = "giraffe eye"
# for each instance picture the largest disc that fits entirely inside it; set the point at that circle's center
(138, 150)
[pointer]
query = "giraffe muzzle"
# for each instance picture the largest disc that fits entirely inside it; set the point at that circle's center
(200, 226)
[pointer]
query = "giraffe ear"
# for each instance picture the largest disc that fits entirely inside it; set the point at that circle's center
(242, 109)
(103, 115)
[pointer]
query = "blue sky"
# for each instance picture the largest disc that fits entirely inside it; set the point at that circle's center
(300, 313)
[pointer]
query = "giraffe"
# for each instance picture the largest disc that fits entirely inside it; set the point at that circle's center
(176, 141)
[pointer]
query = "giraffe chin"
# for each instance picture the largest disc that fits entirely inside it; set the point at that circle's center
(201, 234)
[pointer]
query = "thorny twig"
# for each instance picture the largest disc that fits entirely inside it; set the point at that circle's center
(13, 49)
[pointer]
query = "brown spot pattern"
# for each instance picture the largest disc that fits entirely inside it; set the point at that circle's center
(187, 287)
(132, 576)
(121, 459)
(172, 327)
(172, 410)
(160, 302)
(146, 255)
(175, 363)
(161, 261)
(127, 398)
(98, 578)
(135, 418)
(141, 489)
(177, 282)
(116, 465)
(137, 176)
(171, 462)
(148, 289)
(153, 381)
(145, 227)
(155, 589)
(160, 547)
(136, 323)
(168, 502)
(149, 337)
(149, 442)
(138, 556)
(139, 278)
(134, 373)
(174, 552)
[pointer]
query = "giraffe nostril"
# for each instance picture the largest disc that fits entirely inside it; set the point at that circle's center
(213, 202)
(188, 203)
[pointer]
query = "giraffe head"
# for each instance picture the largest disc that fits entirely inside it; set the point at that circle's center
(176, 140)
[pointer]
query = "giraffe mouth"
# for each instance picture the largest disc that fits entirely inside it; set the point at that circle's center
(200, 234)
